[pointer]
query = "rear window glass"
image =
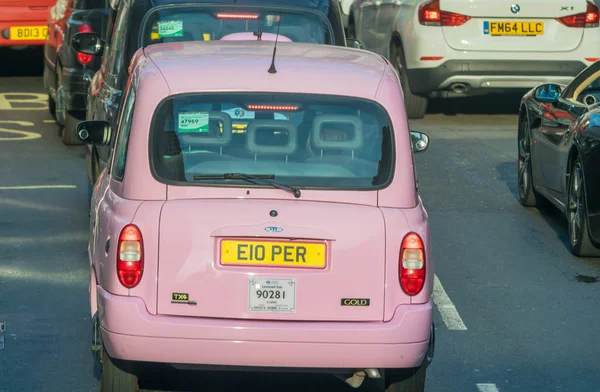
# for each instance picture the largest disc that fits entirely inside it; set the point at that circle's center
(303, 140)
(209, 23)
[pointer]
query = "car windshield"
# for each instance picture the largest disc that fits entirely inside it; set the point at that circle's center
(302, 140)
(203, 23)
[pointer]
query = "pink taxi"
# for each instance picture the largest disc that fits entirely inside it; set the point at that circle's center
(260, 211)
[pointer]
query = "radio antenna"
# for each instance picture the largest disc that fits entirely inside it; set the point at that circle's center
(272, 69)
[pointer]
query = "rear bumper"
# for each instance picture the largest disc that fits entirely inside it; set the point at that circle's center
(129, 332)
(486, 75)
(76, 82)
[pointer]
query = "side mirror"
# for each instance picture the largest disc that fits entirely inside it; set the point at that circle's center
(87, 43)
(420, 141)
(97, 133)
(548, 93)
(354, 43)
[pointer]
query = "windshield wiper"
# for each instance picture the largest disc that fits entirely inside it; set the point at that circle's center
(264, 179)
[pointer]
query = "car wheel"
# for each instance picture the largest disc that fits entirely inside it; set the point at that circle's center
(579, 238)
(415, 382)
(69, 130)
(117, 376)
(416, 105)
(527, 194)
(52, 107)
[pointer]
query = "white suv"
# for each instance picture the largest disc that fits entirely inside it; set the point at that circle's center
(468, 47)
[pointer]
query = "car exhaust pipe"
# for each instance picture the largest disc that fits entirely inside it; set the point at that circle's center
(589, 99)
(356, 380)
(459, 88)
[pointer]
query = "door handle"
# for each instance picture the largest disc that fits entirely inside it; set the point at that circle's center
(107, 246)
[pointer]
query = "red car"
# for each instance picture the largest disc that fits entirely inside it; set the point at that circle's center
(24, 22)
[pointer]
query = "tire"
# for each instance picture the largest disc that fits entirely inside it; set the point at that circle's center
(413, 383)
(416, 105)
(69, 131)
(579, 237)
(117, 376)
(528, 197)
(52, 107)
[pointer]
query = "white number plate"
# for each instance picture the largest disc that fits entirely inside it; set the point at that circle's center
(272, 295)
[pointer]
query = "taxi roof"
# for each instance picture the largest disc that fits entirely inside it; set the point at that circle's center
(189, 67)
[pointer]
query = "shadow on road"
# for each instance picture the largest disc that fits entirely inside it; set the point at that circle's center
(488, 104)
(508, 174)
(24, 62)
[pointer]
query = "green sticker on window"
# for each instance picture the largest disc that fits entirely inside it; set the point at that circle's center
(170, 28)
(193, 122)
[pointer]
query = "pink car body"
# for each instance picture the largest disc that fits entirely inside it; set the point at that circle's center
(160, 290)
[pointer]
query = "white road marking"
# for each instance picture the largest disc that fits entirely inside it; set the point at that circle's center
(487, 388)
(53, 239)
(446, 308)
(11, 188)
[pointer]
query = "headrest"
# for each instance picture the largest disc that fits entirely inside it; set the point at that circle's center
(193, 128)
(248, 36)
(296, 33)
(256, 125)
(320, 122)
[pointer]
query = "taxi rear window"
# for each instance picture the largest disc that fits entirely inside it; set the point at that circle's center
(303, 140)
(209, 23)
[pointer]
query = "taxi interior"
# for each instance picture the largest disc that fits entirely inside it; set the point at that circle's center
(305, 143)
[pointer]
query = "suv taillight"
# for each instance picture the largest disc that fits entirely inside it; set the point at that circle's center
(130, 256)
(412, 264)
(431, 15)
(590, 18)
(82, 57)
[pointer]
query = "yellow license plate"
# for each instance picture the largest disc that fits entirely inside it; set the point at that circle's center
(513, 28)
(28, 33)
(273, 254)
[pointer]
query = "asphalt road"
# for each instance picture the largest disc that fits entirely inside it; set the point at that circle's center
(515, 311)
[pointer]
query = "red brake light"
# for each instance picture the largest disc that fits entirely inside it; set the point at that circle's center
(282, 108)
(130, 256)
(412, 264)
(431, 15)
(82, 57)
(588, 19)
(237, 16)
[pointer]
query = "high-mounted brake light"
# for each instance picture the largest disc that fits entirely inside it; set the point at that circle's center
(431, 15)
(82, 57)
(590, 18)
(412, 264)
(282, 108)
(237, 16)
(130, 256)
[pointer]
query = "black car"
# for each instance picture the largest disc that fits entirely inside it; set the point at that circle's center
(67, 73)
(559, 154)
(140, 23)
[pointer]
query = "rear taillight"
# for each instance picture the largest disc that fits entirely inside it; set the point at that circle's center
(82, 57)
(412, 264)
(130, 256)
(431, 15)
(590, 18)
